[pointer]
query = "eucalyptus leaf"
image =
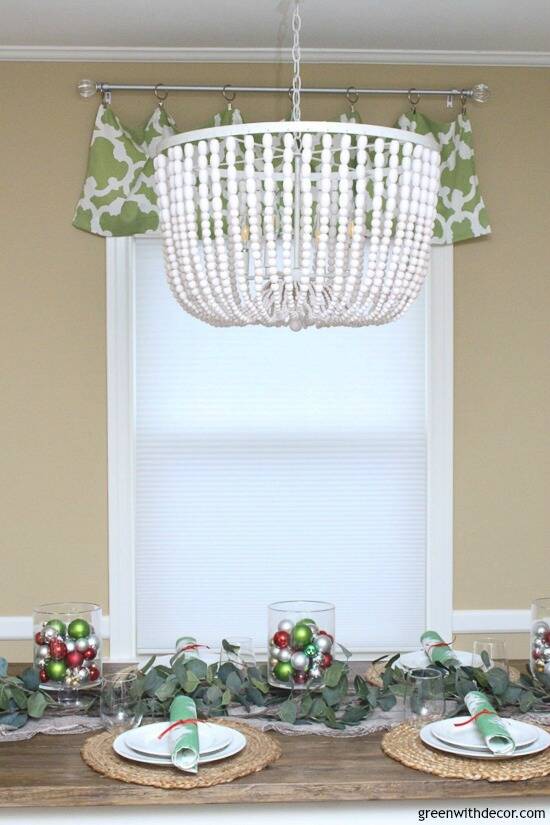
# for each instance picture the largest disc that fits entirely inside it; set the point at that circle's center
(30, 679)
(13, 720)
(19, 696)
(485, 659)
(153, 681)
(190, 682)
(214, 695)
(36, 705)
(386, 701)
(229, 648)
(198, 667)
(168, 689)
(3, 667)
(234, 683)
(332, 696)
(288, 712)
(498, 680)
(5, 696)
(333, 674)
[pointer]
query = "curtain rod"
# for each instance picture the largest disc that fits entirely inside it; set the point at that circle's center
(480, 93)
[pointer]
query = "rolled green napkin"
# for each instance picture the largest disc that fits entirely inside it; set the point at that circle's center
(437, 650)
(184, 739)
(497, 737)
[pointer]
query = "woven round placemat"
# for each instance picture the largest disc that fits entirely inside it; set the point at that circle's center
(404, 745)
(374, 671)
(260, 751)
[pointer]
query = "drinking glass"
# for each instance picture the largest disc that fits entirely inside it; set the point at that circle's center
(243, 656)
(424, 696)
(120, 705)
(490, 652)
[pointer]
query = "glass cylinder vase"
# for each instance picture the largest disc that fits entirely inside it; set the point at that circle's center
(540, 640)
(67, 648)
(300, 643)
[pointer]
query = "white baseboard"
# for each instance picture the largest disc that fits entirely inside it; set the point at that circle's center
(19, 628)
(491, 621)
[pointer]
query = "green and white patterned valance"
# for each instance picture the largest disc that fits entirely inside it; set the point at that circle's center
(461, 212)
(118, 197)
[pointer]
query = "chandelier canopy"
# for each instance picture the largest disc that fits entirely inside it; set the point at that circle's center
(297, 223)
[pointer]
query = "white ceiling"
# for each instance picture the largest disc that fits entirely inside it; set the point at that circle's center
(446, 27)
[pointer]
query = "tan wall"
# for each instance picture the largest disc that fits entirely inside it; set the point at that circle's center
(53, 421)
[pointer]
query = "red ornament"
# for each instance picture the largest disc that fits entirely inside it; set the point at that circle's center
(58, 649)
(327, 660)
(90, 653)
(93, 673)
(324, 633)
(43, 676)
(74, 659)
(281, 638)
(547, 637)
(536, 654)
(39, 638)
(300, 678)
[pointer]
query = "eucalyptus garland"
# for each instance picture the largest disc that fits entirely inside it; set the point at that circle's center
(217, 689)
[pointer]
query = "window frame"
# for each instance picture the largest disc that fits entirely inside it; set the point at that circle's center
(120, 301)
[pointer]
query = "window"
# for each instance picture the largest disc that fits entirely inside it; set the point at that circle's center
(261, 464)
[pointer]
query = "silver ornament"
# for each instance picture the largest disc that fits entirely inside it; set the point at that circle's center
(43, 652)
(299, 660)
(274, 650)
(40, 662)
(284, 654)
(315, 672)
(83, 674)
(318, 658)
(540, 629)
(93, 642)
(81, 645)
(273, 662)
(70, 645)
(286, 625)
(324, 644)
(49, 633)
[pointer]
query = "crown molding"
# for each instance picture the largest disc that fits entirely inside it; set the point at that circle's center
(93, 54)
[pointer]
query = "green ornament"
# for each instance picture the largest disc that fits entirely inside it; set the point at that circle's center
(301, 635)
(310, 650)
(58, 625)
(79, 628)
(283, 671)
(56, 670)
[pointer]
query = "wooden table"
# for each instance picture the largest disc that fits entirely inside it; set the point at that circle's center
(47, 771)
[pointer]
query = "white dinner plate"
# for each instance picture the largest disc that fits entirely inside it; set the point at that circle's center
(145, 739)
(419, 658)
(236, 744)
(541, 743)
(469, 736)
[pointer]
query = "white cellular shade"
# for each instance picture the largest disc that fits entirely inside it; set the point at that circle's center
(276, 465)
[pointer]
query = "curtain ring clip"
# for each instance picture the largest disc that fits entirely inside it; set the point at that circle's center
(161, 97)
(463, 99)
(229, 95)
(106, 97)
(352, 96)
(414, 98)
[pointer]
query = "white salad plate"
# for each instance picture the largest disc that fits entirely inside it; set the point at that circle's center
(470, 738)
(236, 744)
(540, 744)
(419, 658)
(146, 739)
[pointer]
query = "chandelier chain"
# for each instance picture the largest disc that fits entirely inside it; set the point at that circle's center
(296, 57)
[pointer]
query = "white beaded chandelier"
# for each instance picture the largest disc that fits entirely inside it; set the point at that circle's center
(297, 223)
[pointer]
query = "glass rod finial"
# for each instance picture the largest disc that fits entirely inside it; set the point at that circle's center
(87, 87)
(481, 93)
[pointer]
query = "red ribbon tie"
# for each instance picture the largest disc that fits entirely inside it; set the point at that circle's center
(475, 716)
(178, 723)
